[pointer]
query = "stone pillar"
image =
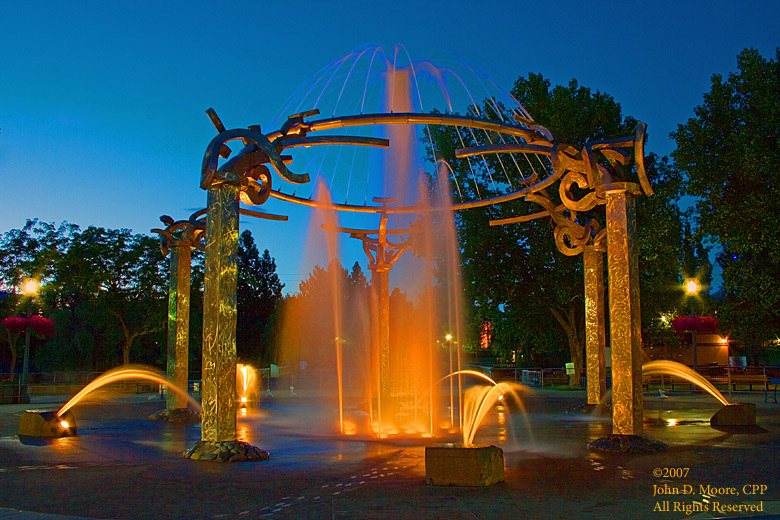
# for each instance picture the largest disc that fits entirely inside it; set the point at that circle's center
(374, 379)
(380, 283)
(625, 319)
(595, 336)
(178, 323)
(385, 379)
(218, 388)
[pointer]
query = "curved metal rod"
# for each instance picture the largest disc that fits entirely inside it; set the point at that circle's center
(525, 218)
(329, 227)
(259, 214)
(211, 157)
(411, 118)
(541, 149)
(305, 142)
(412, 209)
(639, 158)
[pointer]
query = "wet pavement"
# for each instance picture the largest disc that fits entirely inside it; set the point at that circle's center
(122, 465)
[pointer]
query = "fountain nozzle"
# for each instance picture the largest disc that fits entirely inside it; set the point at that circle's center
(46, 423)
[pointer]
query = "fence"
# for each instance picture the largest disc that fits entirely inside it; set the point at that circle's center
(63, 383)
(540, 377)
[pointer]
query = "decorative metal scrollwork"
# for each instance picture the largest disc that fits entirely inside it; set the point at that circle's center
(182, 233)
(583, 169)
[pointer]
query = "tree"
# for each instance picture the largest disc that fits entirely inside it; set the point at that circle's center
(259, 293)
(109, 274)
(13, 327)
(32, 251)
(668, 252)
(313, 317)
(357, 279)
(730, 153)
(105, 290)
(515, 277)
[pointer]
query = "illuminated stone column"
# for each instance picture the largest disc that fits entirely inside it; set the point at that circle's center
(218, 388)
(374, 384)
(179, 323)
(380, 284)
(385, 382)
(595, 336)
(625, 320)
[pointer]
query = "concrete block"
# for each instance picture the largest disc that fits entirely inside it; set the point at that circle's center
(46, 423)
(735, 414)
(458, 465)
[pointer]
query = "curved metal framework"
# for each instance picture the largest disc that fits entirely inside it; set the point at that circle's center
(179, 238)
(609, 173)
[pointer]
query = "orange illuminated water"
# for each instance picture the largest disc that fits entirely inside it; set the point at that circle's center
(676, 369)
(331, 330)
(127, 373)
(246, 383)
(480, 399)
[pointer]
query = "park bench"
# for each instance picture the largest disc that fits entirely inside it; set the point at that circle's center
(718, 380)
(750, 378)
(665, 381)
(747, 379)
(774, 381)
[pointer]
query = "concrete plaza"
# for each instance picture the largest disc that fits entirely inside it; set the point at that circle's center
(124, 466)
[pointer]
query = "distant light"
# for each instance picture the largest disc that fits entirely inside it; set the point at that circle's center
(243, 412)
(692, 287)
(30, 287)
(672, 422)
(448, 337)
(664, 319)
(725, 341)
(64, 424)
(501, 397)
(243, 399)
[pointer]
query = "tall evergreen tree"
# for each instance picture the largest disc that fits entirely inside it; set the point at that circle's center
(259, 293)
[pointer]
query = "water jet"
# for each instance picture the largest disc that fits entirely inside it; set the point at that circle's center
(469, 464)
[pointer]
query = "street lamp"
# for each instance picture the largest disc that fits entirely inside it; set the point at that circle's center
(692, 288)
(29, 288)
(448, 338)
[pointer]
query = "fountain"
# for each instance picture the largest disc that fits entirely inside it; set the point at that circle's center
(394, 356)
(246, 388)
(47, 423)
(676, 369)
(62, 422)
(732, 415)
(469, 464)
(412, 202)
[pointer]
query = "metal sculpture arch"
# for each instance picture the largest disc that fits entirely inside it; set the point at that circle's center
(610, 172)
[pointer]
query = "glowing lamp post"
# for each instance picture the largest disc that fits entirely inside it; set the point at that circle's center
(448, 338)
(692, 288)
(29, 288)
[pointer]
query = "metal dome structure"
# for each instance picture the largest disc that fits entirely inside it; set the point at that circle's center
(609, 173)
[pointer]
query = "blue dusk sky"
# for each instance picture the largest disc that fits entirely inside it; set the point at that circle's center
(102, 103)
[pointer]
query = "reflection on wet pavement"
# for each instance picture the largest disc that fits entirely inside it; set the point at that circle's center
(319, 474)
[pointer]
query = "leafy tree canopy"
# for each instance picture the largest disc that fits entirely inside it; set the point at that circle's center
(730, 153)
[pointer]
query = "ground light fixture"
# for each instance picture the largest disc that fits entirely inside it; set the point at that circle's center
(47, 423)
